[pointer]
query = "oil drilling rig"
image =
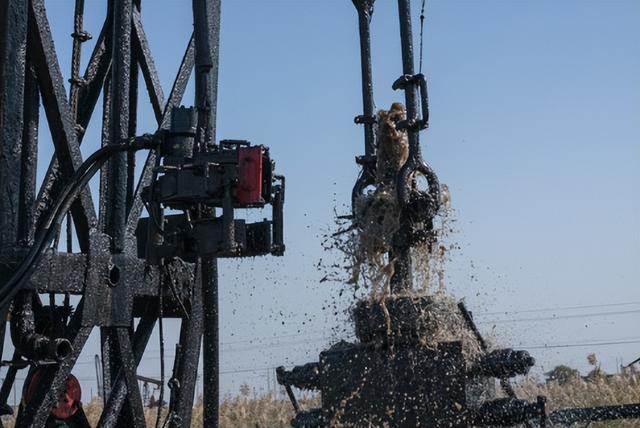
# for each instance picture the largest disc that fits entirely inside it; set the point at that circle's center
(388, 377)
(129, 272)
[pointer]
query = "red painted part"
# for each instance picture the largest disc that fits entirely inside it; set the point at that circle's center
(249, 188)
(68, 401)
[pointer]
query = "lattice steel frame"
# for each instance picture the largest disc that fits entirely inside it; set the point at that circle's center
(114, 285)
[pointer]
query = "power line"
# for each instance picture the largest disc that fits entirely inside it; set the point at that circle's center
(309, 341)
(479, 314)
(560, 308)
(325, 339)
(562, 317)
(285, 336)
(591, 342)
(557, 345)
(258, 343)
(580, 345)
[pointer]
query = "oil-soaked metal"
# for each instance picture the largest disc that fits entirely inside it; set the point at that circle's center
(593, 414)
(389, 378)
(115, 282)
(417, 207)
(13, 39)
(31, 343)
(368, 118)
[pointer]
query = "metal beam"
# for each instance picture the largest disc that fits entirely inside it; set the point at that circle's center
(116, 189)
(186, 368)
(119, 391)
(210, 344)
(365, 13)
(61, 272)
(13, 38)
(61, 123)
(128, 368)
(402, 277)
(113, 186)
(94, 77)
(207, 34)
(26, 222)
(95, 74)
(148, 67)
(175, 97)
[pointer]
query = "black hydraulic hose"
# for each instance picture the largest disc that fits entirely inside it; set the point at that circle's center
(27, 340)
(46, 231)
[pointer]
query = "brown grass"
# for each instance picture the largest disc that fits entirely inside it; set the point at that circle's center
(266, 411)
(235, 412)
(597, 389)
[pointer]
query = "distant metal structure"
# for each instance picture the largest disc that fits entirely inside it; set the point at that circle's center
(127, 268)
(98, 366)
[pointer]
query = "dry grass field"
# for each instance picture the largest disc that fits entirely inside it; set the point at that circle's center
(238, 412)
(266, 411)
(595, 389)
(235, 412)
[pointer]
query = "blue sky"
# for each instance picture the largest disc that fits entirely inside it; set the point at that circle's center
(534, 127)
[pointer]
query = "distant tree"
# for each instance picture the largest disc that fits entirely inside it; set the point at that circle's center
(562, 374)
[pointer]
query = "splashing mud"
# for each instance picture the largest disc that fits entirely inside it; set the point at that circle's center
(363, 243)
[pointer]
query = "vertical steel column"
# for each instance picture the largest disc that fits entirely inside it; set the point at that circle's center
(117, 123)
(367, 118)
(133, 122)
(186, 361)
(116, 197)
(365, 12)
(410, 93)
(210, 343)
(207, 41)
(402, 277)
(13, 39)
(26, 222)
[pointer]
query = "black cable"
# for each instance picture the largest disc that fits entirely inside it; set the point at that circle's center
(47, 230)
(172, 287)
(161, 340)
(421, 32)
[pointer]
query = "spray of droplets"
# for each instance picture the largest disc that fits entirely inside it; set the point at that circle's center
(362, 247)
